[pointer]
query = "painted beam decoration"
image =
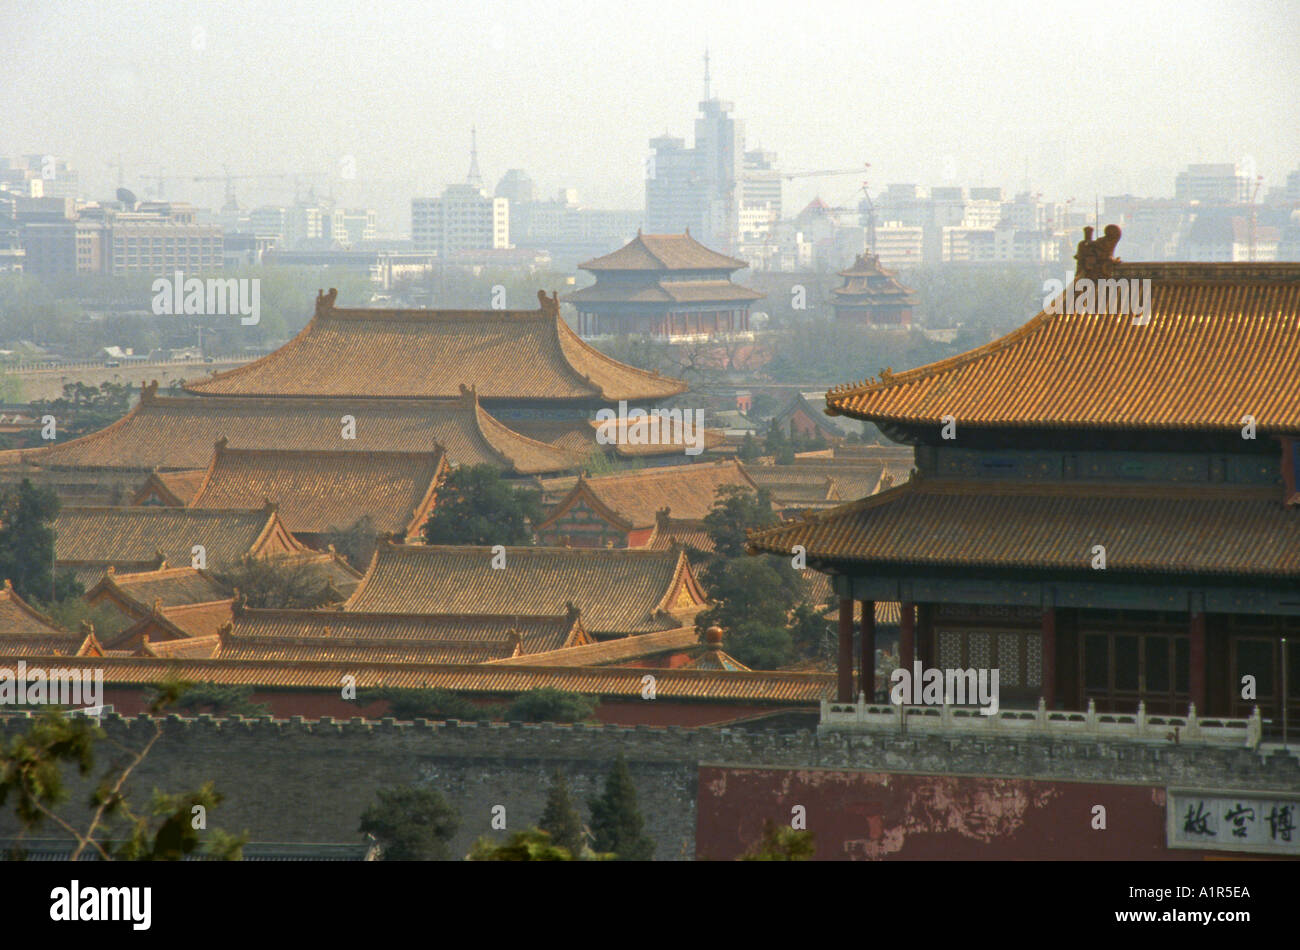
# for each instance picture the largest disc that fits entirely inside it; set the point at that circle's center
(1262, 822)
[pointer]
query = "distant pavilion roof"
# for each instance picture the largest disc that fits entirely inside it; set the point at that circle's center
(869, 283)
(504, 354)
(664, 252)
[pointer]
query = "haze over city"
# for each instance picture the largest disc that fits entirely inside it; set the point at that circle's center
(660, 431)
(1079, 99)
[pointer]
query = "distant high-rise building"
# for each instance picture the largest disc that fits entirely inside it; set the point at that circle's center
(1213, 184)
(721, 192)
(516, 187)
(464, 218)
(160, 237)
(351, 226)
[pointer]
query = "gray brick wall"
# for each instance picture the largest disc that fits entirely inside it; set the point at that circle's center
(309, 781)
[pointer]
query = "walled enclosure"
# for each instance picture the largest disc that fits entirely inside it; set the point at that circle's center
(309, 781)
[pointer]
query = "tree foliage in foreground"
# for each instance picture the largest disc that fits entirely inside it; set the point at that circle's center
(171, 827)
(411, 823)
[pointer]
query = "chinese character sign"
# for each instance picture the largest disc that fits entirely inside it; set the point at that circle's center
(1252, 821)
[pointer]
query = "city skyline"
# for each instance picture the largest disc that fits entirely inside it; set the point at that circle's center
(809, 96)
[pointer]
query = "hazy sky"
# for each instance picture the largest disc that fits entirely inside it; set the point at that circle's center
(1097, 97)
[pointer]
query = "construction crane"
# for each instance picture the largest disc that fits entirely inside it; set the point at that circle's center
(1254, 216)
(231, 204)
(826, 172)
(159, 180)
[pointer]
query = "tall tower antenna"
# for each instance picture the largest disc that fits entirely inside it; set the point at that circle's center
(706, 74)
(474, 178)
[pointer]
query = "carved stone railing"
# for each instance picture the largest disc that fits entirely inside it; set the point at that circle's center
(969, 720)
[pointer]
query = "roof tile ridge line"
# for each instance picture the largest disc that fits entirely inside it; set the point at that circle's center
(430, 314)
(383, 454)
(309, 639)
(254, 364)
(199, 604)
(420, 513)
(662, 471)
(1039, 321)
(336, 558)
(366, 575)
(339, 615)
(7, 592)
(566, 334)
(870, 501)
(218, 449)
(469, 394)
(99, 434)
(159, 511)
(538, 549)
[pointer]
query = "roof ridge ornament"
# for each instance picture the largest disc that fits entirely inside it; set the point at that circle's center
(1096, 258)
(325, 301)
(549, 305)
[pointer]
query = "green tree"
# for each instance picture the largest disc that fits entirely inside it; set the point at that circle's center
(220, 700)
(754, 598)
(749, 448)
(27, 544)
(560, 818)
(433, 704)
(31, 770)
(531, 845)
(616, 822)
(737, 510)
(477, 506)
(780, 843)
(71, 612)
(356, 542)
(83, 408)
(411, 823)
(283, 582)
(547, 704)
(778, 444)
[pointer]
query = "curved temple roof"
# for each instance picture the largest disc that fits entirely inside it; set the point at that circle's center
(1222, 342)
(171, 433)
(504, 354)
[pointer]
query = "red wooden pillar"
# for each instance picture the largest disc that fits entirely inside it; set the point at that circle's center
(845, 667)
(867, 651)
(1196, 675)
(907, 636)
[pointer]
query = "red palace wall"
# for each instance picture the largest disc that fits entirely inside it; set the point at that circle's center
(872, 816)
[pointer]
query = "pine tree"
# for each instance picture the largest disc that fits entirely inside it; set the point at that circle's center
(616, 822)
(560, 818)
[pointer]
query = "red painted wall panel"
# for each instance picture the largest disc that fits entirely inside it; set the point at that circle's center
(866, 816)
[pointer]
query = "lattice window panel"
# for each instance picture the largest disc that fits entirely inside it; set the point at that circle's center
(1033, 661)
(950, 649)
(1009, 659)
(981, 650)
